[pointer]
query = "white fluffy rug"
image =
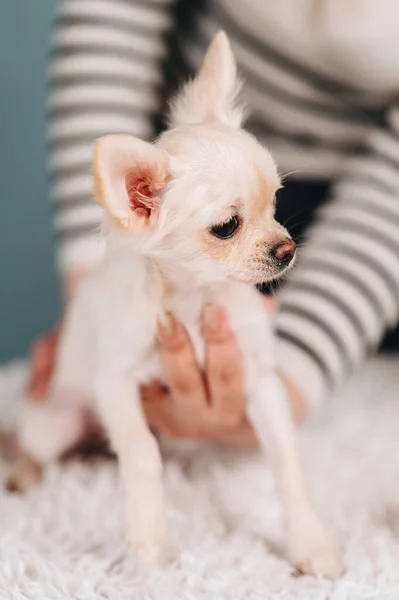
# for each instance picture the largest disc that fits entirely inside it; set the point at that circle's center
(64, 540)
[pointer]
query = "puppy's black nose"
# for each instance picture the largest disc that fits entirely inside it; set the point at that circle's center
(284, 252)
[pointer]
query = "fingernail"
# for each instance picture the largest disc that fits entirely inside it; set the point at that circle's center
(167, 326)
(212, 318)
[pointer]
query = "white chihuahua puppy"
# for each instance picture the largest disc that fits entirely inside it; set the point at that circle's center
(190, 222)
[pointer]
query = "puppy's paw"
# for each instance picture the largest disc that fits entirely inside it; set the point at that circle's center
(24, 474)
(150, 553)
(312, 552)
(147, 539)
(322, 560)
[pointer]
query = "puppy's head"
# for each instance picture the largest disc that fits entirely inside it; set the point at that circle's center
(203, 195)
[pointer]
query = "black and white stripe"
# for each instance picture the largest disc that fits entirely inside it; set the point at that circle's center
(105, 77)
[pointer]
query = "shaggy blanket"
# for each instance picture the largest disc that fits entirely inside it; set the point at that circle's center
(64, 539)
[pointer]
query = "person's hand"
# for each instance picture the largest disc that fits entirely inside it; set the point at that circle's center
(42, 363)
(208, 405)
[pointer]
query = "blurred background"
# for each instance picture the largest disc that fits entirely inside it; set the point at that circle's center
(29, 298)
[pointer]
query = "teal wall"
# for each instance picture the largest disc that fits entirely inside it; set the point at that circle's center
(28, 287)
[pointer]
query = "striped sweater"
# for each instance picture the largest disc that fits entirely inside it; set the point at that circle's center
(321, 80)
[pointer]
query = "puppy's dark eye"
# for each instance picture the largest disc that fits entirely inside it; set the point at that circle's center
(226, 230)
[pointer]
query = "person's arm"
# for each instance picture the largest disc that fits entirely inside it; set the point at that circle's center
(105, 77)
(344, 294)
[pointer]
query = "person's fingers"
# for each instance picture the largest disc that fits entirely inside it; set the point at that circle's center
(43, 357)
(162, 419)
(160, 411)
(55, 338)
(270, 303)
(154, 393)
(41, 353)
(224, 370)
(40, 370)
(242, 437)
(39, 386)
(189, 401)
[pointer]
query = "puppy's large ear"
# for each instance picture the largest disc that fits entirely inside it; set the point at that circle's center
(212, 94)
(129, 178)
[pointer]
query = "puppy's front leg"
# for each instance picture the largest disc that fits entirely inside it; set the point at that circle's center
(310, 548)
(139, 463)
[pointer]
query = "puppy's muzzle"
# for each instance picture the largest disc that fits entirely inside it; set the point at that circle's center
(283, 253)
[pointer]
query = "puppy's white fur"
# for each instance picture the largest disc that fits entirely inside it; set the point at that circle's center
(162, 201)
